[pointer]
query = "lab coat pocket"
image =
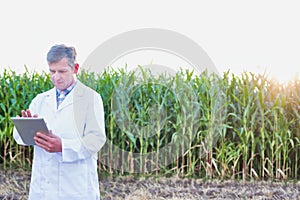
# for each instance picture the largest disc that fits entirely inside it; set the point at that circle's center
(73, 178)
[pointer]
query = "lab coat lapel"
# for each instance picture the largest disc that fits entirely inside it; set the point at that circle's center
(50, 99)
(79, 92)
(74, 96)
(82, 98)
(67, 101)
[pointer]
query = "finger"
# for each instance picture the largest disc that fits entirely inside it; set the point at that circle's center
(51, 134)
(42, 136)
(42, 141)
(24, 114)
(42, 146)
(28, 113)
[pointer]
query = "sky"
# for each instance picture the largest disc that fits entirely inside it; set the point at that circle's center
(258, 36)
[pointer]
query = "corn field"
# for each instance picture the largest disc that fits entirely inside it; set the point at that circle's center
(210, 126)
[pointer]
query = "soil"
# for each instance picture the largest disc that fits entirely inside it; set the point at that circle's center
(15, 185)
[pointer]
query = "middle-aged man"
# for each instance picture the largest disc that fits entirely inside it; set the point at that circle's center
(65, 161)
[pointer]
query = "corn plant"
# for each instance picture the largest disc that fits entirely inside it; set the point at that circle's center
(199, 125)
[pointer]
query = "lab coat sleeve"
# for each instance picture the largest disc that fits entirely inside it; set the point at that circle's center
(93, 137)
(17, 137)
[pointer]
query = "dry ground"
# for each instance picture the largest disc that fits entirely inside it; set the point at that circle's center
(15, 186)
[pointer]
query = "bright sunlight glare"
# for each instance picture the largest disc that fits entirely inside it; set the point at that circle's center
(284, 75)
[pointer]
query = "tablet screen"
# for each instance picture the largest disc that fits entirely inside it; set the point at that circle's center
(28, 126)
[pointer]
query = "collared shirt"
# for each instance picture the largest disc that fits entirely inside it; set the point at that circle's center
(66, 92)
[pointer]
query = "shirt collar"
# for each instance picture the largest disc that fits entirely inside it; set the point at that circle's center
(68, 90)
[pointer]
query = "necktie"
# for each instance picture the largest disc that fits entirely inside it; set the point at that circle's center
(61, 97)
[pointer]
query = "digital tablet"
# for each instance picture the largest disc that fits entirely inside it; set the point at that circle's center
(28, 126)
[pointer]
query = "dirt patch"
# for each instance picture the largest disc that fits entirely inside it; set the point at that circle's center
(174, 188)
(15, 185)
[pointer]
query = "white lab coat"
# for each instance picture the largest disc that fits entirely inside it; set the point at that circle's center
(79, 122)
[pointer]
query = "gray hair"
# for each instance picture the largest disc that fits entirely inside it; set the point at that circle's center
(58, 52)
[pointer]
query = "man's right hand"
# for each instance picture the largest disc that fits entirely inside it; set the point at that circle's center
(27, 113)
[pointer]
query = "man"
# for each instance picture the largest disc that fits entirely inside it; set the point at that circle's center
(65, 161)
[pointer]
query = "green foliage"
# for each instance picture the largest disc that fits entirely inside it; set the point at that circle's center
(16, 93)
(219, 126)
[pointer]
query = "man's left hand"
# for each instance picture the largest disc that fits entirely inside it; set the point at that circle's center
(50, 142)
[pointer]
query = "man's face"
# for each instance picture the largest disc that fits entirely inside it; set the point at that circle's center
(61, 74)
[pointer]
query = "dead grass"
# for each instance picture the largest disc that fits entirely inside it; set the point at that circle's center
(15, 185)
(130, 188)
